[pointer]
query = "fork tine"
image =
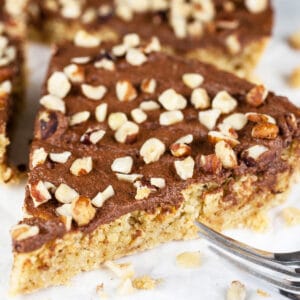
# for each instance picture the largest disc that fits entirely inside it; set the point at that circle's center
(262, 258)
(283, 286)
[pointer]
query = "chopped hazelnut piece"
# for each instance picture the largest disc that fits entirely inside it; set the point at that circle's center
(171, 100)
(116, 120)
(94, 92)
(127, 133)
(256, 6)
(236, 291)
(216, 136)
(81, 60)
(129, 177)
(83, 39)
(158, 182)
(58, 85)
(105, 64)
(101, 197)
(148, 86)
(65, 212)
(200, 99)
(39, 193)
(135, 57)
(60, 157)
(119, 50)
(65, 194)
(224, 102)
(187, 139)
(260, 118)
(149, 105)
(210, 164)
(225, 153)
(236, 120)
(256, 151)
(138, 115)
(233, 44)
(227, 130)
(185, 168)
(131, 40)
(142, 192)
(92, 136)
(101, 112)
(257, 95)
(122, 164)
(79, 118)
(23, 231)
(265, 131)
(82, 166)
(180, 150)
(192, 80)
(82, 211)
(170, 117)
(125, 270)
(294, 79)
(53, 103)
(294, 40)
(125, 91)
(189, 259)
(152, 150)
(153, 46)
(74, 73)
(39, 156)
(209, 118)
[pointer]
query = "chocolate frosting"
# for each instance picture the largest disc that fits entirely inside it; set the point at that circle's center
(56, 136)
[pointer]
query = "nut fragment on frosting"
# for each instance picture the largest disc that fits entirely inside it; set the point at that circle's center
(92, 136)
(39, 156)
(116, 120)
(257, 95)
(135, 57)
(58, 85)
(224, 102)
(60, 157)
(158, 182)
(192, 80)
(209, 118)
(53, 103)
(265, 131)
(86, 40)
(148, 86)
(82, 210)
(256, 6)
(65, 212)
(236, 120)
(122, 164)
(256, 151)
(39, 193)
(101, 197)
(74, 73)
(233, 44)
(170, 117)
(180, 150)
(93, 92)
(127, 133)
(23, 231)
(101, 112)
(82, 166)
(236, 291)
(152, 150)
(185, 168)
(79, 118)
(65, 194)
(171, 100)
(226, 155)
(138, 115)
(149, 105)
(125, 91)
(200, 98)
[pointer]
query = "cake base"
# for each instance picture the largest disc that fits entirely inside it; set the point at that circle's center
(58, 261)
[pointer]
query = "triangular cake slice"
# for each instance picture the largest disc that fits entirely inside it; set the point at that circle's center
(132, 146)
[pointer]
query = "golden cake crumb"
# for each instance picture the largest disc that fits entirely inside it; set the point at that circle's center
(126, 288)
(262, 293)
(291, 216)
(145, 283)
(189, 259)
(100, 291)
(294, 79)
(294, 40)
(236, 291)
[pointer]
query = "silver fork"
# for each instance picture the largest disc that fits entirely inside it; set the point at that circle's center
(280, 270)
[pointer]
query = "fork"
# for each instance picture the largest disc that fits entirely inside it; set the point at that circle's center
(280, 270)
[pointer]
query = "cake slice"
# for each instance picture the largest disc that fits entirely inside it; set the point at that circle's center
(11, 80)
(230, 34)
(132, 146)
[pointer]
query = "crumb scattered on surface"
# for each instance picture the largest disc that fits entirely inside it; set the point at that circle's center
(145, 283)
(126, 287)
(189, 259)
(294, 40)
(291, 216)
(294, 79)
(124, 270)
(100, 291)
(236, 291)
(262, 293)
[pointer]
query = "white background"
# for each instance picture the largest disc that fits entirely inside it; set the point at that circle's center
(212, 278)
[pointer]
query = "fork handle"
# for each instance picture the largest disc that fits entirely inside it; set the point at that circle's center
(291, 258)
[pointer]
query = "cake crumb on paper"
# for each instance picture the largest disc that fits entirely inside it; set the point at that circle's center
(126, 287)
(291, 216)
(294, 40)
(189, 259)
(236, 291)
(100, 291)
(124, 270)
(145, 283)
(294, 79)
(262, 293)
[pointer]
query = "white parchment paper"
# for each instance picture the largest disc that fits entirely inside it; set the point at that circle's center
(212, 278)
